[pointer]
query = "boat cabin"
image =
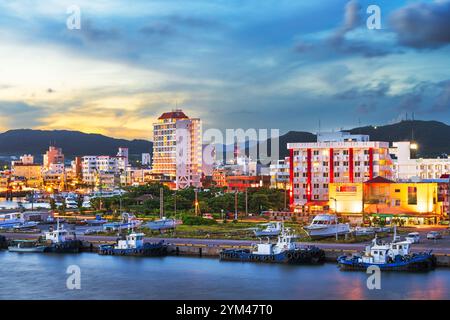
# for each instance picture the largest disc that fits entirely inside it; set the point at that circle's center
(383, 253)
(132, 241)
(284, 243)
(58, 235)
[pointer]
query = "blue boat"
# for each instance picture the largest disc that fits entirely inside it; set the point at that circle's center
(162, 224)
(394, 256)
(284, 251)
(59, 243)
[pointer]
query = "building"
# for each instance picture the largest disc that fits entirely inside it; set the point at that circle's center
(406, 168)
(242, 183)
(279, 174)
(177, 148)
(146, 159)
(407, 203)
(31, 173)
(54, 159)
(27, 159)
(123, 158)
(105, 171)
(336, 158)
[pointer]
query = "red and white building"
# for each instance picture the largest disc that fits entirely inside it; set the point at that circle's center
(336, 157)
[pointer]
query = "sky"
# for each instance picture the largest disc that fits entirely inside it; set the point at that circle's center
(289, 65)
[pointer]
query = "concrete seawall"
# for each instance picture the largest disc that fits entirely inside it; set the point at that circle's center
(188, 247)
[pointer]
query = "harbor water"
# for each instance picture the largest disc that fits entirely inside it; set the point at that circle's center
(43, 276)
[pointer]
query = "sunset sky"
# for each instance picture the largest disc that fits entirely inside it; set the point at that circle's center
(233, 63)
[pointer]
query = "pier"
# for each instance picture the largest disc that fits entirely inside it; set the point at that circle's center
(212, 247)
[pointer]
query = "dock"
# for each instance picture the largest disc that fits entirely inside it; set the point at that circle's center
(212, 247)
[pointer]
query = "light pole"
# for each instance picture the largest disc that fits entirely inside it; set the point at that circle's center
(335, 217)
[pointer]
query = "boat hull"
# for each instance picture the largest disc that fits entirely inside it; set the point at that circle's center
(316, 233)
(148, 250)
(28, 250)
(418, 262)
(301, 256)
(68, 246)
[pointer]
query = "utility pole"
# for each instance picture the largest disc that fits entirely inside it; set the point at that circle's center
(236, 205)
(161, 203)
(246, 202)
(175, 204)
(196, 202)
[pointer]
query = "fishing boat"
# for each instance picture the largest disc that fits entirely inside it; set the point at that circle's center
(97, 221)
(284, 251)
(128, 222)
(326, 225)
(26, 246)
(271, 230)
(162, 224)
(393, 256)
(133, 245)
(11, 220)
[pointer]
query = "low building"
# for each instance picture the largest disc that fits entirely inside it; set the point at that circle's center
(381, 199)
(242, 183)
(279, 174)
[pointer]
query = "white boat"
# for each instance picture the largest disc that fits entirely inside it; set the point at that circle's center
(26, 225)
(26, 246)
(162, 224)
(326, 225)
(271, 230)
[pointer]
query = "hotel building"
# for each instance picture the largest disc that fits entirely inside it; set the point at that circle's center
(335, 157)
(177, 149)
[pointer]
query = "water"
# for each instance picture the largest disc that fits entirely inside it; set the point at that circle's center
(43, 276)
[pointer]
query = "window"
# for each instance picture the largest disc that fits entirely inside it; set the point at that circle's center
(316, 152)
(412, 195)
(346, 163)
(325, 163)
(397, 190)
(336, 174)
(345, 152)
(316, 197)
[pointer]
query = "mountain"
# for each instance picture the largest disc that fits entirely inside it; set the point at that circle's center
(73, 143)
(432, 137)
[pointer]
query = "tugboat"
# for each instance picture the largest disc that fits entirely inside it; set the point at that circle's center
(271, 230)
(284, 251)
(59, 243)
(133, 245)
(394, 256)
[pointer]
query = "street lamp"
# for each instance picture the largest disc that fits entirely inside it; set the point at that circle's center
(336, 218)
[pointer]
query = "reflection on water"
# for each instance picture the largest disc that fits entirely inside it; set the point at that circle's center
(38, 276)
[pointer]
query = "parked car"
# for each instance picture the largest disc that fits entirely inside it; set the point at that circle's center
(433, 235)
(413, 237)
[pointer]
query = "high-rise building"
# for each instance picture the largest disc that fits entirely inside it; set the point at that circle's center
(53, 156)
(334, 158)
(177, 148)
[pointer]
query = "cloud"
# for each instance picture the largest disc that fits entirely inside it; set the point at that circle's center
(17, 114)
(442, 102)
(366, 92)
(423, 25)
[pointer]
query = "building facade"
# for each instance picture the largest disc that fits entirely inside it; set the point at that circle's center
(406, 168)
(344, 158)
(177, 148)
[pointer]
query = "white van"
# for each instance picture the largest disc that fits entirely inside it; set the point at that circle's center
(413, 237)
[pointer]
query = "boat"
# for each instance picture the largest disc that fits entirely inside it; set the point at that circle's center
(271, 230)
(128, 222)
(326, 225)
(26, 225)
(58, 242)
(11, 220)
(96, 222)
(162, 224)
(26, 246)
(364, 231)
(284, 251)
(133, 245)
(393, 256)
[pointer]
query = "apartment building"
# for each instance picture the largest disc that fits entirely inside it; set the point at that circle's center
(177, 148)
(334, 158)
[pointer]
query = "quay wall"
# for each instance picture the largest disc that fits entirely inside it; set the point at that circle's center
(212, 250)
